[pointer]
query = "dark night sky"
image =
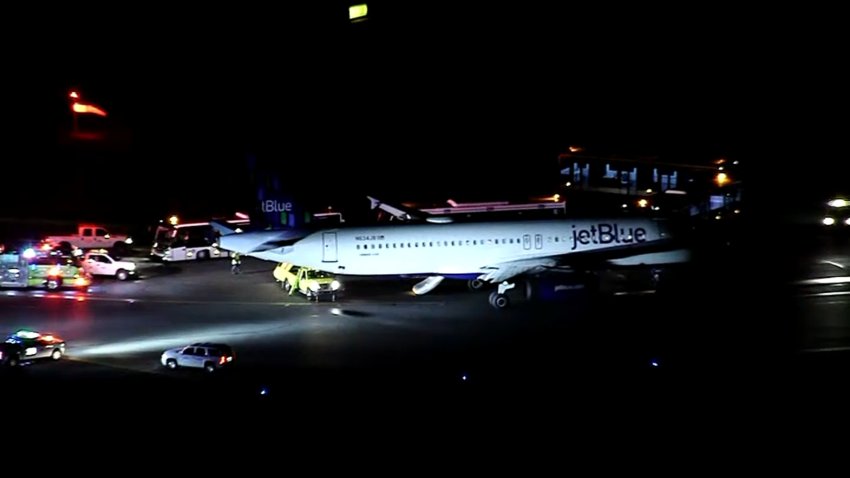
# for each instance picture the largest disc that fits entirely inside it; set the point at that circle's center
(408, 103)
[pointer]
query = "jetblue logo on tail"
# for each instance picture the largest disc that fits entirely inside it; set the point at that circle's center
(270, 205)
(280, 213)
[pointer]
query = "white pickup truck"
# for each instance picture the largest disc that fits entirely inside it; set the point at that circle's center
(91, 236)
(100, 263)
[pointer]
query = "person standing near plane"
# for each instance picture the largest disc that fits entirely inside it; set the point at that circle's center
(235, 264)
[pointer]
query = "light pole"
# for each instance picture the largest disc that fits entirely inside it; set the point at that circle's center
(77, 108)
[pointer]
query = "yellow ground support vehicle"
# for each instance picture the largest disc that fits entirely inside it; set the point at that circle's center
(314, 284)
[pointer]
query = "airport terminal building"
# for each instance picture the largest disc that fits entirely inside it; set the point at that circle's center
(590, 181)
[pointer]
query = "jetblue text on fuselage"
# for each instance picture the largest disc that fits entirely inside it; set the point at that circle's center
(607, 234)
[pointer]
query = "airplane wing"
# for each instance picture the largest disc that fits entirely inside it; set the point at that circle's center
(506, 270)
(406, 213)
(398, 211)
(663, 253)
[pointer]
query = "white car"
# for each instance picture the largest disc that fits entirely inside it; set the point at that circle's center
(100, 263)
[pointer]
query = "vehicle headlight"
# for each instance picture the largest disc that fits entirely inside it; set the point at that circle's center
(128, 241)
(314, 286)
(131, 266)
(335, 285)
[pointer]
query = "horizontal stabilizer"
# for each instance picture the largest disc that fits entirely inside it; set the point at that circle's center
(221, 228)
(257, 241)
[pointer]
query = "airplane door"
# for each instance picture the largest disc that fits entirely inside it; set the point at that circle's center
(538, 241)
(329, 247)
(526, 241)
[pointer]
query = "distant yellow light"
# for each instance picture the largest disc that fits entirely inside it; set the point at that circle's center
(556, 197)
(173, 220)
(357, 11)
(721, 179)
(84, 108)
(642, 203)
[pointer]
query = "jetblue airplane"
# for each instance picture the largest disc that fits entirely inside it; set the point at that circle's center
(481, 252)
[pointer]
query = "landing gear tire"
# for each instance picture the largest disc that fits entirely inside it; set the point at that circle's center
(499, 301)
(475, 284)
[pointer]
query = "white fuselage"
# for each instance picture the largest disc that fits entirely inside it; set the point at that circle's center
(462, 248)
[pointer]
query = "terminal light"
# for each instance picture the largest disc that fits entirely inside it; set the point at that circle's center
(722, 179)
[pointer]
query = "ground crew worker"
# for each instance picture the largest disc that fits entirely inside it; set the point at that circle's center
(235, 262)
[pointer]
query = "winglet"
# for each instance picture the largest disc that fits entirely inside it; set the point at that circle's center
(373, 203)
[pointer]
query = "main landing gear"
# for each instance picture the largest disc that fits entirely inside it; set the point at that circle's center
(499, 298)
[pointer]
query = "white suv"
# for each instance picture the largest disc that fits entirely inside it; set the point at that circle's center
(99, 263)
(207, 356)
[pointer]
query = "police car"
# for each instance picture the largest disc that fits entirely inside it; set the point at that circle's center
(26, 345)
